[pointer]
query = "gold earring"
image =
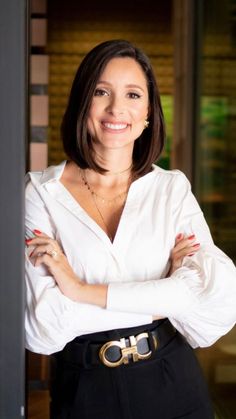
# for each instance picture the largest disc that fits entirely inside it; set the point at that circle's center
(146, 123)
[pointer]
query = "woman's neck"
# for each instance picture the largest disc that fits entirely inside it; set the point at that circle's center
(110, 179)
(115, 162)
(118, 165)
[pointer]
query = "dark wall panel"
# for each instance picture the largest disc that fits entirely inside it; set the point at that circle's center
(13, 19)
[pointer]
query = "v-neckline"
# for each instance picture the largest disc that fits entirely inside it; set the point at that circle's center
(72, 204)
(91, 220)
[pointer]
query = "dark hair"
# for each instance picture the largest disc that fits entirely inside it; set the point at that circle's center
(75, 137)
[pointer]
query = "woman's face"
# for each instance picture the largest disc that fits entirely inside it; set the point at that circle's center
(119, 106)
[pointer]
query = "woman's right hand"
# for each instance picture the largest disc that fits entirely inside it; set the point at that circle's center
(184, 246)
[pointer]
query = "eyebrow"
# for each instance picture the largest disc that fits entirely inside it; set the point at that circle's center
(136, 86)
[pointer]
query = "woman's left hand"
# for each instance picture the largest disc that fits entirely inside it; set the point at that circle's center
(47, 251)
(184, 246)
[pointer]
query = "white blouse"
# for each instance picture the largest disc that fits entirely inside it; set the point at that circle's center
(199, 298)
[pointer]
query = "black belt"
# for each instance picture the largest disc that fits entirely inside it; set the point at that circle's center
(117, 352)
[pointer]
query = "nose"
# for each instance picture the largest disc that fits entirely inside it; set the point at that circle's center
(116, 106)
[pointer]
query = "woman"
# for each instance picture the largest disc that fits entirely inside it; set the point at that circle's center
(105, 293)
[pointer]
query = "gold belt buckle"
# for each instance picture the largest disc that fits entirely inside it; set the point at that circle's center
(125, 350)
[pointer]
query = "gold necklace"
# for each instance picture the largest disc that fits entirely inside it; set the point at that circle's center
(94, 195)
(101, 198)
(102, 218)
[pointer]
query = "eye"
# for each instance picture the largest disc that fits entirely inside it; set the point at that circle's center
(133, 95)
(100, 92)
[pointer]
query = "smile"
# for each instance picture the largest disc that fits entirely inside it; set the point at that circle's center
(114, 126)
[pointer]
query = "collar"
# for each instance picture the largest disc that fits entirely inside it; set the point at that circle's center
(52, 173)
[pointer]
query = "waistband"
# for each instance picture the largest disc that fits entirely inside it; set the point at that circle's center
(119, 347)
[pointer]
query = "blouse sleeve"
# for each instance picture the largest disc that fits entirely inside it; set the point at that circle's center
(199, 298)
(51, 319)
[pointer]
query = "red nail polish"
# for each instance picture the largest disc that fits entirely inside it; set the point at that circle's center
(37, 232)
(191, 254)
(191, 237)
(27, 241)
(31, 254)
(196, 245)
(179, 236)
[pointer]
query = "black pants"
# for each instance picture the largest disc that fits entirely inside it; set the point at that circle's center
(169, 385)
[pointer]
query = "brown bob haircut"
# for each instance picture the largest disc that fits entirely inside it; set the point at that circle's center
(76, 139)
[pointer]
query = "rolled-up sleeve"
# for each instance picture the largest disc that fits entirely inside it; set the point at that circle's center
(199, 298)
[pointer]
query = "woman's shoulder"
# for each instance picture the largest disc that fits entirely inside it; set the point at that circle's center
(35, 180)
(171, 177)
(51, 173)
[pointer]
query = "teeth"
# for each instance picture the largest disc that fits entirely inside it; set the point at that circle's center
(115, 126)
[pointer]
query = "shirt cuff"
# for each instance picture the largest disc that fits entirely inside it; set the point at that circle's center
(168, 297)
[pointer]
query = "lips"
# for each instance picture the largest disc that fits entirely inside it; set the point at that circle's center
(115, 126)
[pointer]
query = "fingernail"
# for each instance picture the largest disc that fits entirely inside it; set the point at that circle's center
(31, 254)
(191, 237)
(28, 241)
(37, 232)
(191, 254)
(179, 236)
(196, 245)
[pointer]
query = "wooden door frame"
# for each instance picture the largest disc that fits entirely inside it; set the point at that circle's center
(187, 28)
